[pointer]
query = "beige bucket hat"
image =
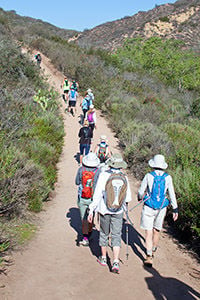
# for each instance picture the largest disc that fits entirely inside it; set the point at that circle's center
(116, 161)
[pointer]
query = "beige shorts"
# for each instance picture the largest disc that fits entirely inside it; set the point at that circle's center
(152, 218)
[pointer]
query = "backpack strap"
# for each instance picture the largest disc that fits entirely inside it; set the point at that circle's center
(153, 173)
(164, 175)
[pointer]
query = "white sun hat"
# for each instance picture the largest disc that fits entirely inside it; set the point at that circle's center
(91, 160)
(89, 90)
(91, 106)
(103, 137)
(158, 161)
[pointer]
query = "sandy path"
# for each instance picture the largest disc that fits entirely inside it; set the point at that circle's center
(52, 266)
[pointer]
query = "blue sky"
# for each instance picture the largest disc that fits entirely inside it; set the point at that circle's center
(79, 14)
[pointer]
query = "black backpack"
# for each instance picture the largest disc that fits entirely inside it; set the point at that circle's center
(86, 132)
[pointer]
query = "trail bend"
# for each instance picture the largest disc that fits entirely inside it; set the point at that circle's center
(52, 267)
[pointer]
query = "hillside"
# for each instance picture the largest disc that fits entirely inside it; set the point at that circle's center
(27, 27)
(152, 103)
(179, 20)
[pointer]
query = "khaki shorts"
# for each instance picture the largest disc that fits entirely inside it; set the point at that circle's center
(152, 218)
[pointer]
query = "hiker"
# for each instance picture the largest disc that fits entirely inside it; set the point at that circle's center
(91, 117)
(110, 200)
(86, 179)
(91, 96)
(38, 59)
(65, 87)
(102, 149)
(153, 192)
(72, 97)
(85, 105)
(74, 85)
(85, 134)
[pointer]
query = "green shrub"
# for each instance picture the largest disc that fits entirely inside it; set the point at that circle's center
(187, 186)
(164, 19)
(195, 108)
(186, 147)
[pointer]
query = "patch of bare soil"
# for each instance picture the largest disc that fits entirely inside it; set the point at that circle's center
(53, 267)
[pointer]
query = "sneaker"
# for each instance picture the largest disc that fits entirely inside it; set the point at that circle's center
(154, 251)
(102, 261)
(148, 262)
(115, 267)
(84, 242)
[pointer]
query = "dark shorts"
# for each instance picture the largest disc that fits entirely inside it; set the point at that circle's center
(72, 103)
(66, 91)
(84, 147)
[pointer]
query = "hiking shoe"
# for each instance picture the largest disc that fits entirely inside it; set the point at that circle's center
(154, 251)
(115, 267)
(148, 262)
(102, 261)
(84, 242)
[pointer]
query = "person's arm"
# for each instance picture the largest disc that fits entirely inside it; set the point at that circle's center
(97, 195)
(78, 176)
(81, 102)
(172, 198)
(128, 193)
(108, 154)
(96, 150)
(142, 188)
(95, 120)
(80, 132)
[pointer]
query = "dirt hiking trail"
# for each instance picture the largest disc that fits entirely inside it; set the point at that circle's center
(53, 267)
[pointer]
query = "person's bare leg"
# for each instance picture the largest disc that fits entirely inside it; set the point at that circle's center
(116, 251)
(103, 251)
(81, 158)
(156, 236)
(149, 244)
(149, 241)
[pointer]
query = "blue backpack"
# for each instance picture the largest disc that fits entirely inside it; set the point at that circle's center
(156, 199)
(72, 94)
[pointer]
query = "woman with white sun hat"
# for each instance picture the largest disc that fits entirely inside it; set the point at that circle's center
(153, 191)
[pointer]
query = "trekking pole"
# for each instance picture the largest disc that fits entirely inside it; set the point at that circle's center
(127, 253)
(140, 202)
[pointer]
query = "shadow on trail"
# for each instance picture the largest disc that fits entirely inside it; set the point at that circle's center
(75, 222)
(134, 239)
(81, 119)
(94, 243)
(169, 288)
(77, 157)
